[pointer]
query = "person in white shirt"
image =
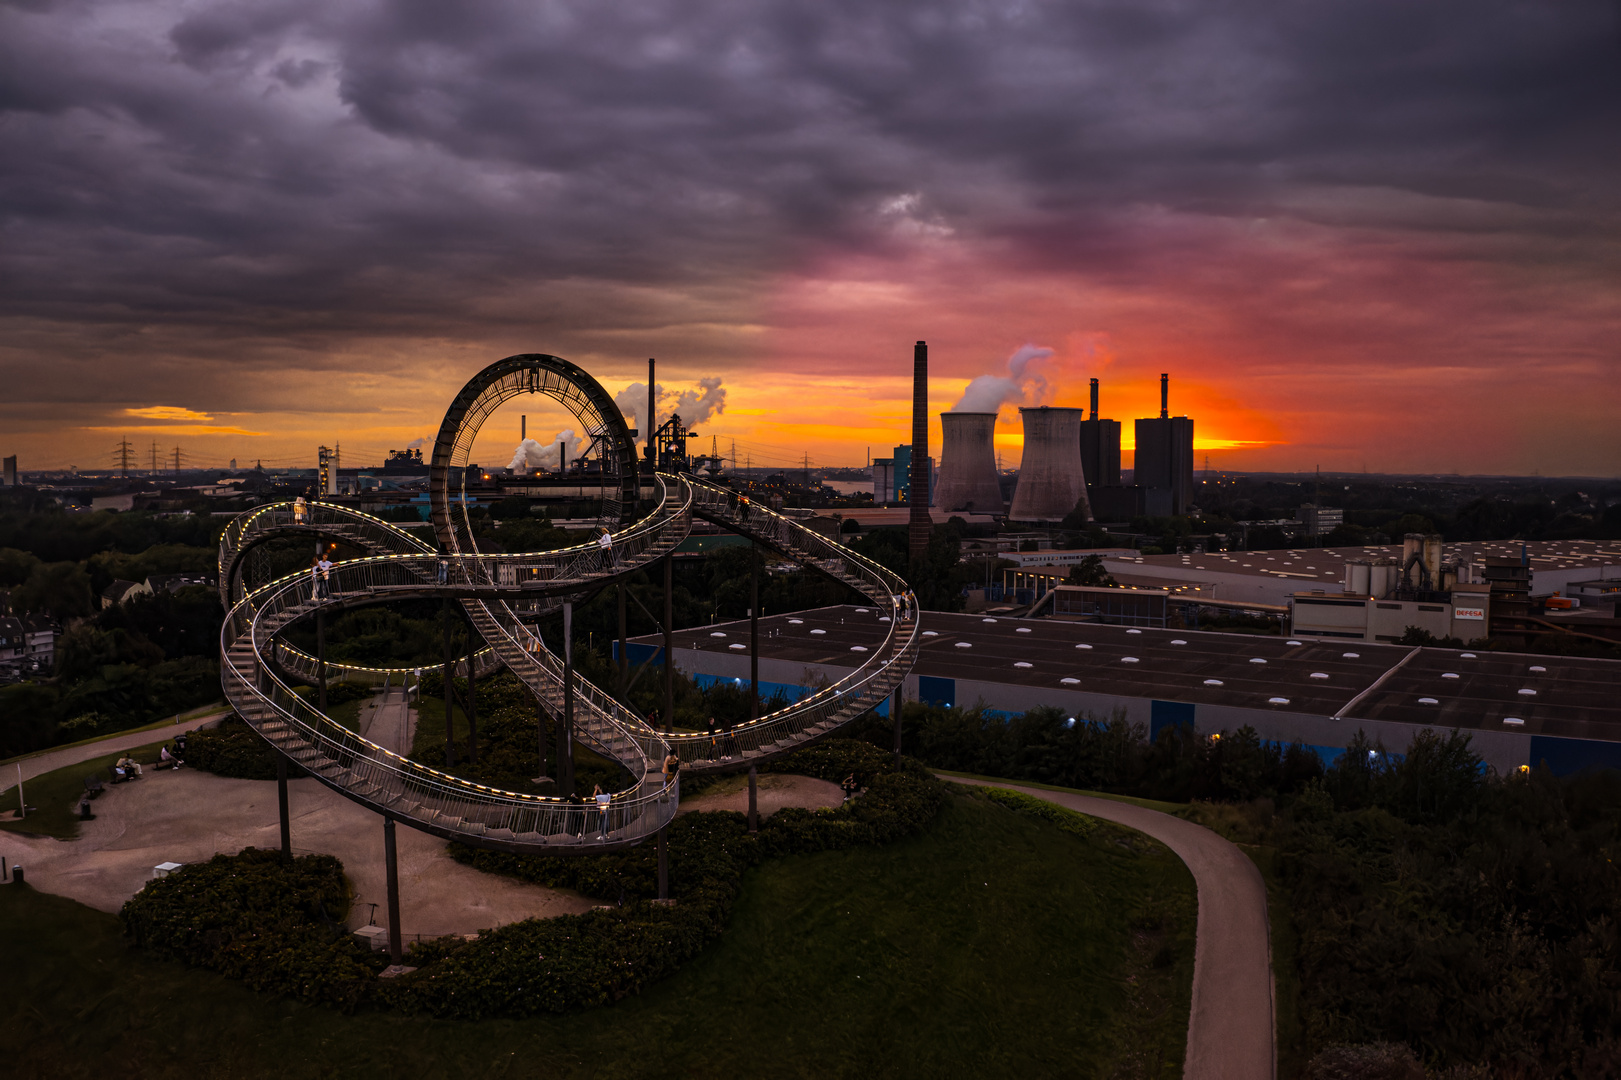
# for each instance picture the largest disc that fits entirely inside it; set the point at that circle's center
(603, 800)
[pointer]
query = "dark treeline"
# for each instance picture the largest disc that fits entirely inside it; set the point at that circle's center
(1473, 918)
(127, 665)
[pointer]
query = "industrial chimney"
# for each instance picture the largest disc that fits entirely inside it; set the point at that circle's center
(1164, 395)
(1052, 484)
(918, 491)
(968, 478)
(1094, 399)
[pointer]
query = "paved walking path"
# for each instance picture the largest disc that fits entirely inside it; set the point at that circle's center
(389, 721)
(189, 816)
(1231, 1030)
(72, 755)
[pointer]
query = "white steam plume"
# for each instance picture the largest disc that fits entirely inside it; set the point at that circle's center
(988, 393)
(707, 400)
(534, 455)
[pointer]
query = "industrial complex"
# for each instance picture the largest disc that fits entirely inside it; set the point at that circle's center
(1521, 709)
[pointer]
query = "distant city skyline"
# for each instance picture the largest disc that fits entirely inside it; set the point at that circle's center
(1358, 235)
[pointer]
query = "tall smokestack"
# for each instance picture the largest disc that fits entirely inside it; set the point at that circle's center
(1094, 399)
(1164, 396)
(652, 457)
(523, 428)
(921, 523)
(968, 478)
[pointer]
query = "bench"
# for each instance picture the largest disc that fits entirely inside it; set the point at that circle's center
(93, 785)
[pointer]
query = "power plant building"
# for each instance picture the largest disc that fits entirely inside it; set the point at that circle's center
(1100, 450)
(1165, 453)
(968, 479)
(1052, 483)
(892, 477)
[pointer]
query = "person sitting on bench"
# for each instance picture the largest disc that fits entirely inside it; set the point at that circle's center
(130, 766)
(167, 760)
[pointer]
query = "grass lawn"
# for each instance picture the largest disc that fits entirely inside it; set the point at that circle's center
(1174, 809)
(167, 721)
(56, 794)
(992, 945)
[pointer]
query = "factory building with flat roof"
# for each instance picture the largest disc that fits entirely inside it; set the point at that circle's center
(1520, 709)
(1272, 577)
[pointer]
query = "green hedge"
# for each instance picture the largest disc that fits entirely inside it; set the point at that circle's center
(234, 749)
(1071, 821)
(539, 965)
(276, 925)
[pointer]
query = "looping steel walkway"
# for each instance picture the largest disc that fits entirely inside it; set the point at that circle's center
(501, 594)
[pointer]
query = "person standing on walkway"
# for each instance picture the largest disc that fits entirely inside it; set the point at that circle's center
(315, 578)
(603, 801)
(301, 511)
(324, 565)
(672, 769)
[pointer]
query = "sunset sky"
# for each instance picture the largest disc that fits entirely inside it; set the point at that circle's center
(1359, 235)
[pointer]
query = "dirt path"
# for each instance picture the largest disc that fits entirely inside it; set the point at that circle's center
(774, 791)
(1231, 1029)
(189, 816)
(72, 755)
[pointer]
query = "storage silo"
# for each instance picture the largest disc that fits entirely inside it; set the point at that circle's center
(968, 464)
(1052, 484)
(1359, 577)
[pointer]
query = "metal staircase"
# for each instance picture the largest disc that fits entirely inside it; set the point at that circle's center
(493, 589)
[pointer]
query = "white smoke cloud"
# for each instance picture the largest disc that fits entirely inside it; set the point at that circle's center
(988, 393)
(417, 444)
(534, 455)
(695, 406)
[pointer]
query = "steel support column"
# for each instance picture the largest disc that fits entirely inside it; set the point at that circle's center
(754, 806)
(320, 658)
(396, 949)
(664, 864)
(472, 696)
(450, 675)
(624, 658)
(895, 708)
(754, 646)
(565, 741)
(281, 800)
(669, 642)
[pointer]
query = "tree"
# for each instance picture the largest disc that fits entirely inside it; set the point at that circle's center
(61, 589)
(1090, 571)
(16, 566)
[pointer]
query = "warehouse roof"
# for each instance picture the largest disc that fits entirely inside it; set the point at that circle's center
(1572, 697)
(1323, 565)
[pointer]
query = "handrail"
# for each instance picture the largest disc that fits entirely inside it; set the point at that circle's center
(485, 583)
(419, 794)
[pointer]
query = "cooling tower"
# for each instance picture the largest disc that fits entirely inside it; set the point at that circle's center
(1051, 483)
(968, 464)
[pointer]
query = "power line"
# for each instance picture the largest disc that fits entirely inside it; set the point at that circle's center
(123, 456)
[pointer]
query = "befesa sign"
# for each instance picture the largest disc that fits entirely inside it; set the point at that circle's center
(1477, 614)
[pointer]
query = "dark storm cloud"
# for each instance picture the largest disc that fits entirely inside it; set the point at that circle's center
(196, 181)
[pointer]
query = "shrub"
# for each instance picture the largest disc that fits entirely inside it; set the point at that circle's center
(234, 749)
(276, 925)
(254, 918)
(579, 961)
